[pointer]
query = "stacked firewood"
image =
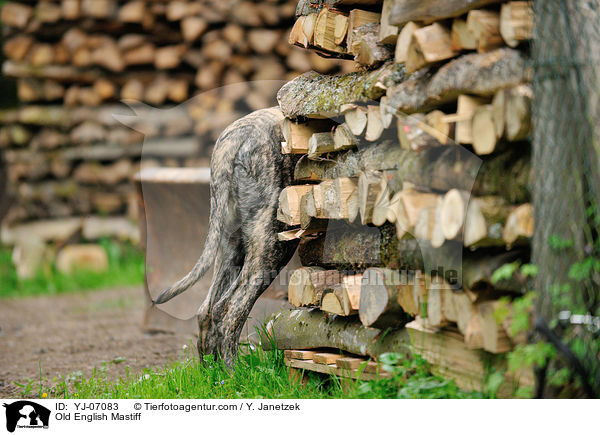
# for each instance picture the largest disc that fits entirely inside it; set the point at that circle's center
(413, 186)
(74, 60)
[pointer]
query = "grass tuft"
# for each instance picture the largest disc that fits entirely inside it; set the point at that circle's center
(258, 374)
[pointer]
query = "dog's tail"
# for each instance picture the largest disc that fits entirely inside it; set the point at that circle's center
(220, 184)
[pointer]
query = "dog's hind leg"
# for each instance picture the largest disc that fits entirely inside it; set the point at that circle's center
(265, 258)
(227, 268)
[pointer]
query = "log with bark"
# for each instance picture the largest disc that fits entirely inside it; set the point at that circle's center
(309, 329)
(404, 11)
(316, 96)
(475, 74)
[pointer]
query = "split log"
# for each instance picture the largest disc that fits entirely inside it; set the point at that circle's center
(143, 54)
(169, 57)
(308, 28)
(297, 35)
(343, 138)
(304, 329)
(498, 112)
(516, 22)
(453, 212)
(330, 199)
(429, 44)
(386, 295)
(473, 333)
(369, 187)
(341, 29)
(519, 224)
(324, 33)
(462, 37)
(484, 221)
(132, 12)
(101, 9)
(382, 203)
(297, 135)
(483, 130)
(415, 134)
(466, 107)
(356, 120)
(404, 11)
(320, 143)
(193, 27)
(315, 95)
(367, 49)
(289, 204)
(351, 291)
(413, 203)
(374, 124)
(494, 337)
(70, 9)
(108, 55)
(517, 115)
(356, 19)
(404, 41)
(263, 41)
(485, 27)
(440, 130)
(429, 225)
(388, 34)
(41, 54)
(439, 298)
(336, 301)
(17, 47)
(307, 284)
(16, 14)
(476, 74)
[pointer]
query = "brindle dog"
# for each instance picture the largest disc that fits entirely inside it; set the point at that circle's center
(248, 171)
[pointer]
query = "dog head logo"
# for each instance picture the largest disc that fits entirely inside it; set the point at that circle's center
(26, 414)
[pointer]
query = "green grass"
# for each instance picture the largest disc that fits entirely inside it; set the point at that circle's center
(126, 267)
(258, 374)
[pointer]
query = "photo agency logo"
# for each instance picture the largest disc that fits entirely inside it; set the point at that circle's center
(25, 414)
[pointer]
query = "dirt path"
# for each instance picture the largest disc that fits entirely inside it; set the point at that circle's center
(77, 332)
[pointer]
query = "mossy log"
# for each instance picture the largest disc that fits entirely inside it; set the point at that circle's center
(474, 74)
(440, 169)
(309, 329)
(316, 95)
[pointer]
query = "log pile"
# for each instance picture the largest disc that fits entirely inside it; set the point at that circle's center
(414, 185)
(74, 60)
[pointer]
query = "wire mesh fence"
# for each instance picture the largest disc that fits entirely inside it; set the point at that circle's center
(566, 156)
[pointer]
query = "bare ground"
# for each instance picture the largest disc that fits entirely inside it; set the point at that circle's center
(77, 332)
